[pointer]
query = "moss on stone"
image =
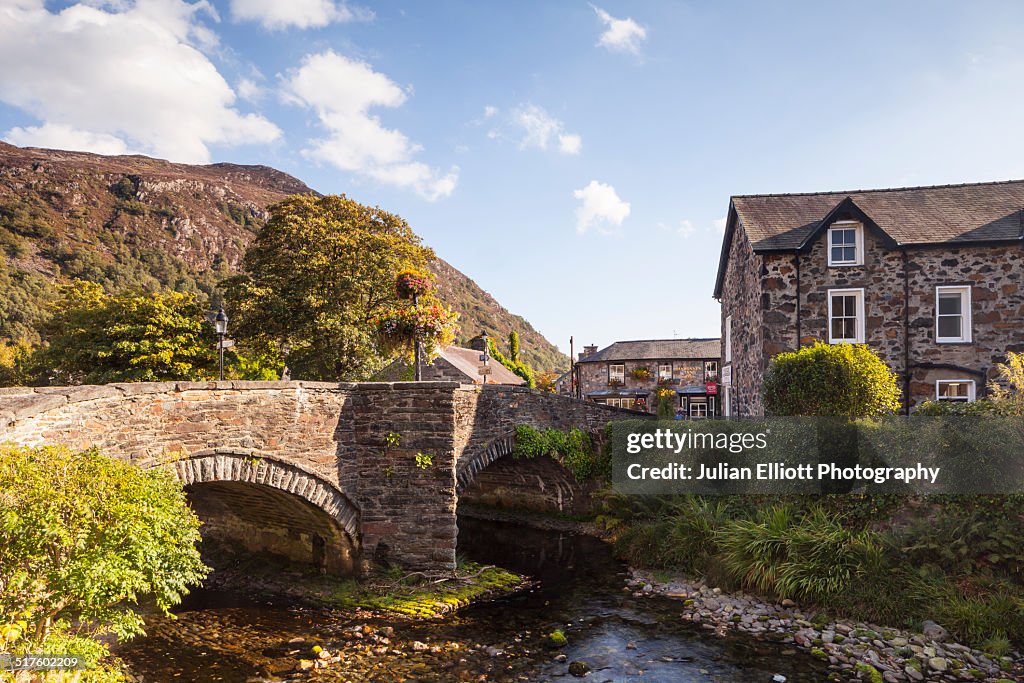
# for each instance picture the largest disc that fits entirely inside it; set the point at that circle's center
(392, 594)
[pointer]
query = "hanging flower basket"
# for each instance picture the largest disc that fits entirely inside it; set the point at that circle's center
(433, 325)
(412, 283)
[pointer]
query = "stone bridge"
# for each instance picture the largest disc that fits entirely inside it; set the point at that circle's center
(322, 472)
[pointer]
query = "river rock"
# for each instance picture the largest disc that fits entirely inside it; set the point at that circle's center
(933, 631)
(913, 674)
(579, 668)
(420, 646)
(938, 664)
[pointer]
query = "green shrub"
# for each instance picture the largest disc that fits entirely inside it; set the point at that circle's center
(833, 380)
(810, 556)
(574, 449)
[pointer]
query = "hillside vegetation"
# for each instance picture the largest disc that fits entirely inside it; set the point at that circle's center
(132, 222)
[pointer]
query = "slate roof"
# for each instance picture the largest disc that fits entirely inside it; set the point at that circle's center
(467, 361)
(938, 214)
(979, 212)
(658, 349)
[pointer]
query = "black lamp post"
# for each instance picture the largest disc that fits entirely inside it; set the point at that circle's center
(221, 324)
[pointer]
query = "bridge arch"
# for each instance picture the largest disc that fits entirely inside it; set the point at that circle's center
(257, 504)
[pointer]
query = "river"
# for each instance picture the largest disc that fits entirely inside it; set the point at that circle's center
(229, 638)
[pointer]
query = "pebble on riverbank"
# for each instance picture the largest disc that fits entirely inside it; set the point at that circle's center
(852, 650)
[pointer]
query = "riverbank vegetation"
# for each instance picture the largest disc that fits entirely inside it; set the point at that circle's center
(83, 539)
(893, 560)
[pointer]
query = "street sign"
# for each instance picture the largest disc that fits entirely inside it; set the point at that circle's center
(484, 369)
(228, 343)
(727, 375)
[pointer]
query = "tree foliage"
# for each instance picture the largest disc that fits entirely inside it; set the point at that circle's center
(825, 380)
(15, 362)
(95, 338)
(518, 367)
(513, 346)
(83, 537)
(319, 274)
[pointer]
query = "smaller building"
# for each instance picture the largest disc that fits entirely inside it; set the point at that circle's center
(455, 364)
(629, 374)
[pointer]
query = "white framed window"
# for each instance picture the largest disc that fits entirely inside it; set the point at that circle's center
(665, 371)
(952, 314)
(710, 370)
(846, 244)
(698, 408)
(954, 390)
(846, 316)
(617, 372)
(728, 339)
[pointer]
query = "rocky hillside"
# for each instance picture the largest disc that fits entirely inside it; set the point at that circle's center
(131, 222)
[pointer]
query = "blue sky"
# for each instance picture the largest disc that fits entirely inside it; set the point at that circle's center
(575, 159)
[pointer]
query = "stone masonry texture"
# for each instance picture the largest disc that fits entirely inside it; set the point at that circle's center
(342, 455)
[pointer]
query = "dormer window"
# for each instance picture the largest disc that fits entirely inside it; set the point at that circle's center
(846, 244)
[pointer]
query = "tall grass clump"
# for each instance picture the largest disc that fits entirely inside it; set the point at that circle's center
(809, 556)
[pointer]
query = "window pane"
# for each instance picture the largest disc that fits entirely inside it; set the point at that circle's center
(849, 253)
(950, 303)
(949, 326)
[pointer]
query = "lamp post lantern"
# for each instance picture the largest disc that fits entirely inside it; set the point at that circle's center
(220, 323)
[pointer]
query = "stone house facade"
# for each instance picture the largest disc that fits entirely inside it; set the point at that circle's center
(627, 374)
(931, 278)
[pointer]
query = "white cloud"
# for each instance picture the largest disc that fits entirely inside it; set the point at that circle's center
(720, 224)
(570, 143)
(123, 76)
(60, 136)
(342, 92)
(620, 35)
(539, 129)
(686, 228)
(490, 111)
(601, 208)
(249, 89)
(281, 14)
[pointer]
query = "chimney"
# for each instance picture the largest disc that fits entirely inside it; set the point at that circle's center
(479, 342)
(588, 351)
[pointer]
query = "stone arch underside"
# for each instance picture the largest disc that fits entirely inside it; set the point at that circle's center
(495, 479)
(253, 504)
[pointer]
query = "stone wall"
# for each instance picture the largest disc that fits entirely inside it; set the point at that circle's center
(899, 301)
(348, 451)
(741, 298)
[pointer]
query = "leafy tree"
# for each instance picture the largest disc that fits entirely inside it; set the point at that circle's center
(319, 274)
(547, 382)
(830, 380)
(15, 359)
(95, 338)
(82, 538)
(513, 346)
(518, 367)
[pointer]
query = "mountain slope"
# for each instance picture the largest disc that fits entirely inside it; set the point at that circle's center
(135, 222)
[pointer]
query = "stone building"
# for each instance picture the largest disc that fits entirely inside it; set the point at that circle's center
(931, 278)
(628, 373)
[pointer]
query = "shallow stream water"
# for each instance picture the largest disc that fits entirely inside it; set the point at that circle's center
(232, 638)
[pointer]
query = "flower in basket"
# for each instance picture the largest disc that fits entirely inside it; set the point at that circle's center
(642, 372)
(412, 283)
